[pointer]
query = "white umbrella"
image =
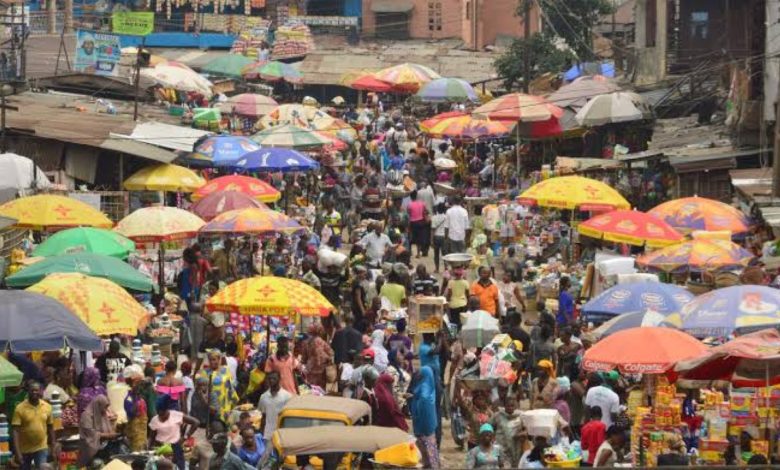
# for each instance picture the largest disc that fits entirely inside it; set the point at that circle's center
(18, 172)
(178, 78)
(612, 108)
(479, 330)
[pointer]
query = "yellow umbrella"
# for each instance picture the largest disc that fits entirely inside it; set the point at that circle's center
(164, 177)
(574, 192)
(274, 296)
(334, 127)
(159, 223)
(103, 305)
(51, 211)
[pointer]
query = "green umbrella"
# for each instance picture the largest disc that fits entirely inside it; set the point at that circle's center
(276, 71)
(229, 65)
(90, 264)
(10, 376)
(86, 239)
(291, 137)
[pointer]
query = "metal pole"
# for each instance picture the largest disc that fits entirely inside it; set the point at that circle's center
(527, 37)
(138, 78)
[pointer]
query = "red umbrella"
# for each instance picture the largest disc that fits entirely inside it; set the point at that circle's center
(222, 201)
(369, 83)
(541, 129)
(752, 360)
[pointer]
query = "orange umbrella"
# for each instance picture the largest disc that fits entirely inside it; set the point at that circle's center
(632, 227)
(700, 213)
(519, 107)
(642, 350)
(253, 187)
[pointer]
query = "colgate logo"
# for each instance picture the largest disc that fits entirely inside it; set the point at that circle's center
(644, 368)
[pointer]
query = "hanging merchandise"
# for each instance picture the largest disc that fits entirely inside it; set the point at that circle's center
(293, 39)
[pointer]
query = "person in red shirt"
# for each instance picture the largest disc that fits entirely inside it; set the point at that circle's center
(592, 435)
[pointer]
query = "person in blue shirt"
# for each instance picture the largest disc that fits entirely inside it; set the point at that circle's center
(252, 448)
(565, 303)
(430, 356)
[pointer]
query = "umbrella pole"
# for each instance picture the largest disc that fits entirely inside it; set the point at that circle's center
(161, 260)
(267, 337)
(517, 152)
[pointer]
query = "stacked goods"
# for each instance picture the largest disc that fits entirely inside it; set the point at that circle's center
(251, 38)
(292, 40)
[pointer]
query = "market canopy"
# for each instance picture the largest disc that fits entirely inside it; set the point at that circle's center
(90, 264)
(159, 223)
(228, 65)
(289, 136)
(468, 128)
(252, 187)
(220, 202)
(34, 322)
(249, 104)
(164, 177)
(447, 90)
(427, 124)
(699, 213)
(335, 128)
(50, 211)
(631, 227)
(178, 77)
(663, 299)
(697, 255)
(519, 107)
(407, 77)
(573, 192)
(86, 240)
(275, 159)
(21, 173)
(257, 221)
(273, 296)
(279, 71)
(222, 149)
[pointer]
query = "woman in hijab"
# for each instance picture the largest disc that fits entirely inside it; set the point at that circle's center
(387, 412)
(317, 355)
(91, 387)
(95, 426)
(400, 377)
(381, 360)
(422, 406)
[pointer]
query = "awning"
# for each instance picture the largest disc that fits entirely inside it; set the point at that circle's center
(167, 136)
(119, 143)
(392, 6)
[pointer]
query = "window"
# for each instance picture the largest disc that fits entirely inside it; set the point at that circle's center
(468, 10)
(699, 24)
(434, 15)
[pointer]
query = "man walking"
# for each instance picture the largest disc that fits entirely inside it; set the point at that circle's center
(457, 222)
(33, 430)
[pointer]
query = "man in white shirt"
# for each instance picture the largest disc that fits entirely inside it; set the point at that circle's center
(604, 398)
(271, 404)
(375, 243)
(457, 224)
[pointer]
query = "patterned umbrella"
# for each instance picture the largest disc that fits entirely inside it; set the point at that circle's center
(49, 211)
(426, 125)
(249, 104)
(632, 227)
(275, 159)
(619, 106)
(369, 82)
(253, 187)
(288, 136)
(443, 90)
(223, 148)
(468, 128)
(736, 308)
(699, 213)
(407, 77)
(274, 296)
(164, 177)
(104, 306)
(335, 128)
(697, 255)
(230, 65)
(295, 114)
(159, 223)
(279, 71)
(258, 221)
(220, 202)
(574, 192)
(86, 240)
(630, 320)
(519, 107)
(664, 299)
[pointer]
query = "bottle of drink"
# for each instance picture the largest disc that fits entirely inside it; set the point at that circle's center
(56, 410)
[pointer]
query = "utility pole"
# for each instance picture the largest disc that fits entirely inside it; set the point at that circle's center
(776, 154)
(527, 37)
(614, 9)
(138, 57)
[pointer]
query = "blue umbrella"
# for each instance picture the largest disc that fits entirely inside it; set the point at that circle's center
(590, 68)
(665, 299)
(222, 149)
(737, 308)
(630, 320)
(34, 322)
(275, 159)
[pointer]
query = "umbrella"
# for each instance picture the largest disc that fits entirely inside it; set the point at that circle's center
(86, 240)
(252, 221)
(665, 299)
(159, 223)
(620, 106)
(407, 77)
(737, 308)
(295, 114)
(519, 107)
(249, 104)
(229, 65)
(252, 71)
(290, 137)
(219, 202)
(432, 121)
(577, 93)
(632, 227)
(479, 329)
(10, 376)
(699, 213)
(47, 211)
(275, 159)
(540, 129)
(630, 320)
(266, 295)
(697, 255)
(252, 187)
(574, 192)
(468, 128)
(752, 360)
(90, 264)
(104, 306)
(335, 128)
(606, 69)
(34, 322)
(164, 177)
(178, 77)
(18, 172)
(646, 350)
(370, 83)
(279, 71)
(222, 149)
(443, 90)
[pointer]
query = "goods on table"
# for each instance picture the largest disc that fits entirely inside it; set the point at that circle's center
(292, 40)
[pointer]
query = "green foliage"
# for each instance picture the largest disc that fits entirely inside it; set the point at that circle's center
(573, 21)
(545, 57)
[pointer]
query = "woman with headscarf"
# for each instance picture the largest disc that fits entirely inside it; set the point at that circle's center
(387, 412)
(317, 355)
(400, 377)
(381, 360)
(544, 387)
(168, 426)
(95, 426)
(136, 409)
(90, 388)
(422, 406)
(561, 404)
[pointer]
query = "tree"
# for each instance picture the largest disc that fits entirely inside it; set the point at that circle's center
(573, 21)
(545, 57)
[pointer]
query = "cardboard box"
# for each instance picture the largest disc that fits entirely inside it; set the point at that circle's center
(426, 314)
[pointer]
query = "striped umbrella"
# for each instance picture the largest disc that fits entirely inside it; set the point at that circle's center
(249, 104)
(407, 77)
(253, 187)
(697, 255)
(279, 71)
(293, 137)
(253, 220)
(426, 125)
(519, 107)
(468, 128)
(444, 90)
